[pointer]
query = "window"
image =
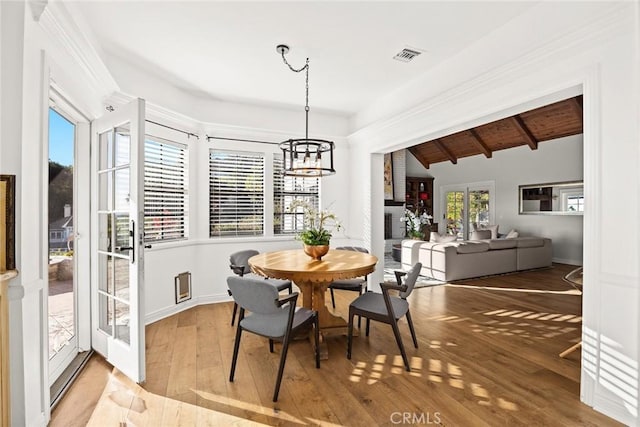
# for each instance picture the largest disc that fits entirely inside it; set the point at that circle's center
(575, 203)
(165, 190)
(236, 193)
(285, 190)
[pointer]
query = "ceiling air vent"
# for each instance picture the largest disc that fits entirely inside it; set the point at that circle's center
(406, 54)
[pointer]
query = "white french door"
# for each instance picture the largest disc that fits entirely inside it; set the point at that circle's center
(117, 211)
(467, 204)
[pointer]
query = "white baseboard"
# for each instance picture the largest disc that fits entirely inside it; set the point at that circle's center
(177, 308)
(567, 261)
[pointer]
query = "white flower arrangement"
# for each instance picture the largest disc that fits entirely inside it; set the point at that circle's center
(414, 221)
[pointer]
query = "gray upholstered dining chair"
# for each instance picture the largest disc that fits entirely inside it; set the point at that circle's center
(355, 285)
(386, 308)
(239, 264)
(270, 316)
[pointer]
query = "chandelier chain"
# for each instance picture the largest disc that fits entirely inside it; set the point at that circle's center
(306, 101)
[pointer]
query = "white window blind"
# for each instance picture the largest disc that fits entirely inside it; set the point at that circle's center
(236, 193)
(285, 190)
(165, 190)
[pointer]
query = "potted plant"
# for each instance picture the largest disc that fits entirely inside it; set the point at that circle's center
(414, 222)
(317, 228)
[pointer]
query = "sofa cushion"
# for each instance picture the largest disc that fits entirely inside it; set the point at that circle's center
(502, 244)
(480, 235)
(529, 242)
(511, 234)
(439, 238)
(472, 247)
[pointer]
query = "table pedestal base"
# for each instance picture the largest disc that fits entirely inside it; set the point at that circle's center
(313, 294)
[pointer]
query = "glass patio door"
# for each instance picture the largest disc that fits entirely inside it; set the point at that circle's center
(467, 205)
(117, 141)
(454, 213)
(62, 299)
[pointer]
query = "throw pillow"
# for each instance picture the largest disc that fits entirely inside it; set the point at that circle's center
(480, 235)
(512, 234)
(439, 238)
(492, 227)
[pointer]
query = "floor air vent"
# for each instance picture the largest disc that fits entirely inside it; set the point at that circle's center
(183, 287)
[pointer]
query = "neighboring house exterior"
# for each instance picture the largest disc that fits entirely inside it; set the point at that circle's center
(61, 231)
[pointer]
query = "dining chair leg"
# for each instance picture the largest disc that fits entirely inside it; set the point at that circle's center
(316, 327)
(236, 347)
(413, 331)
(270, 345)
(233, 316)
(367, 327)
(283, 358)
(333, 300)
(396, 332)
(350, 333)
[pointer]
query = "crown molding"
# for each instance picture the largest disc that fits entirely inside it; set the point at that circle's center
(63, 31)
(207, 128)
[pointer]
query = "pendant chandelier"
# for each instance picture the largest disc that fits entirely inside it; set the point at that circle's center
(305, 157)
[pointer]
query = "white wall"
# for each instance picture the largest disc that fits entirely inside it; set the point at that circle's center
(588, 47)
(554, 161)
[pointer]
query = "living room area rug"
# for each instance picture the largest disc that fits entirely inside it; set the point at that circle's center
(391, 265)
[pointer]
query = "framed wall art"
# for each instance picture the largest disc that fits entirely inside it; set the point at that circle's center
(388, 176)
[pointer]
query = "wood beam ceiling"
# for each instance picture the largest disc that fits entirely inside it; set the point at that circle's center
(524, 131)
(418, 155)
(482, 146)
(549, 122)
(440, 145)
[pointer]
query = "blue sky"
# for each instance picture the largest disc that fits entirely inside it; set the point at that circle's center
(61, 137)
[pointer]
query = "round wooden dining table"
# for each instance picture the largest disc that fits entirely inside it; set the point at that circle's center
(313, 278)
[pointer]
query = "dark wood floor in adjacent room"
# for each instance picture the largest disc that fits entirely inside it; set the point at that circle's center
(488, 356)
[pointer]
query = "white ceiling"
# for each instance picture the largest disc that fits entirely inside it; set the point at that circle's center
(226, 50)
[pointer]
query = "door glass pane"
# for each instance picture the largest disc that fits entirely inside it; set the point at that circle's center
(105, 268)
(106, 150)
(104, 232)
(122, 145)
(105, 313)
(121, 197)
(61, 232)
(105, 184)
(122, 321)
(122, 233)
(455, 213)
(121, 273)
(478, 208)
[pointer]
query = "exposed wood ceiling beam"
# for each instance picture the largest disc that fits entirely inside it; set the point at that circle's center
(482, 146)
(422, 159)
(577, 107)
(524, 131)
(440, 145)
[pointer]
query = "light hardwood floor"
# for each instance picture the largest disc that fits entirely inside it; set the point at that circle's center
(488, 356)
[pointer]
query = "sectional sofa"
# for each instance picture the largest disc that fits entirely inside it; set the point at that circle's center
(465, 259)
